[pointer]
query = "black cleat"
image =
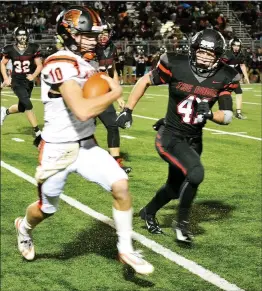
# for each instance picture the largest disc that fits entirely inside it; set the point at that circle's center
(182, 233)
(120, 163)
(151, 222)
(240, 116)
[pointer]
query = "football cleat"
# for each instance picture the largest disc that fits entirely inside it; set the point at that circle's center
(135, 260)
(120, 163)
(182, 233)
(240, 116)
(25, 243)
(151, 221)
(3, 114)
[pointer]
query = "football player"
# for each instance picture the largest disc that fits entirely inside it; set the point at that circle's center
(68, 143)
(140, 59)
(27, 65)
(106, 53)
(235, 58)
(196, 83)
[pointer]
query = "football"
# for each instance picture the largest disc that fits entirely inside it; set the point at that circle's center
(95, 86)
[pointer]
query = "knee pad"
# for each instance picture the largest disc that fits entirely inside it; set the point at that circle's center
(21, 107)
(113, 137)
(27, 104)
(49, 204)
(195, 176)
(238, 89)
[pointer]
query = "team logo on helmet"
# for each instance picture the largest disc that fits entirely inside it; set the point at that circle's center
(71, 18)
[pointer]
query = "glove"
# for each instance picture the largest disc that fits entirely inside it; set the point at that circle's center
(204, 112)
(159, 123)
(37, 140)
(124, 119)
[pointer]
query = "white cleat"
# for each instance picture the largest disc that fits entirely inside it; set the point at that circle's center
(25, 243)
(3, 114)
(135, 260)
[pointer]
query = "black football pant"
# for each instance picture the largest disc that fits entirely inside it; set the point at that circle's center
(108, 118)
(238, 89)
(23, 90)
(185, 171)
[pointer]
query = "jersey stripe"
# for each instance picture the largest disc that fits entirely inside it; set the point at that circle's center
(163, 69)
(64, 59)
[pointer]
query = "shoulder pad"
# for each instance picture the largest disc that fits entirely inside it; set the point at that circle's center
(60, 68)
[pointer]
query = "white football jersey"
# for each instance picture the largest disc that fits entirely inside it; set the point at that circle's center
(61, 125)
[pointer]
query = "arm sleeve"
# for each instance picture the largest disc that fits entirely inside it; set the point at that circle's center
(162, 73)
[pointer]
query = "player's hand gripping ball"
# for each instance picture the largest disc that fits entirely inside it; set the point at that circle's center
(95, 86)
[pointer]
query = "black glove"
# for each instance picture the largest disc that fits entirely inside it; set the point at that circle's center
(159, 123)
(37, 140)
(124, 119)
(204, 111)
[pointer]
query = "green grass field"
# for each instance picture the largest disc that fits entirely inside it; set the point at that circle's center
(76, 252)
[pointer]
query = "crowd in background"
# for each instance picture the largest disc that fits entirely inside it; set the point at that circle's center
(142, 21)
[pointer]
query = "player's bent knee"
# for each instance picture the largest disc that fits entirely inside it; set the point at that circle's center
(120, 189)
(49, 204)
(171, 191)
(21, 108)
(28, 105)
(196, 175)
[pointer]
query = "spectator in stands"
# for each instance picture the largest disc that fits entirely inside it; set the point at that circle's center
(128, 66)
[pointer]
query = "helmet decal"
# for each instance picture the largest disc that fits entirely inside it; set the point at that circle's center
(71, 17)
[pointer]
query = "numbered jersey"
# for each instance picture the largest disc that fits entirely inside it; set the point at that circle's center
(106, 57)
(61, 125)
(187, 89)
(233, 60)
(23, 61)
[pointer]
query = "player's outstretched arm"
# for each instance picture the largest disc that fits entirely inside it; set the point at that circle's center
(138, 91)
(85, 109)
(7, 81)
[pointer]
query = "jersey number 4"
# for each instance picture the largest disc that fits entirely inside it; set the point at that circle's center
(186, 109)
(22, 66)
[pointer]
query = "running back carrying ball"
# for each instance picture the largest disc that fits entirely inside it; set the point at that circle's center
(95, 86)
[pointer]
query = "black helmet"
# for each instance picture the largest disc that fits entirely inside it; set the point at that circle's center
(21, 35)
(209, 40)
(78, 20)
(107, 33)
(235, 42)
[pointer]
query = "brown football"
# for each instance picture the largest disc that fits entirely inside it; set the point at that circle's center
(95, 86)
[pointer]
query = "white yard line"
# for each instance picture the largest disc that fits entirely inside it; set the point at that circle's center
(205, 128)
(154, 246)
(17, 139)
(128, 137)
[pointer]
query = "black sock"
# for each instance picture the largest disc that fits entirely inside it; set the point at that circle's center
(187, 195)
(36, 129)
(7, 111)
(159, 200)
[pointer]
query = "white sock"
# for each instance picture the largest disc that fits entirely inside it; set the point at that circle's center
(25, 228)
(123, 223)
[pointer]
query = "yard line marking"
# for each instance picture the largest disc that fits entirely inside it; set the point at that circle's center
(209, 129)
(128, 136)
(226, 132)
(9, 95)
(17, 139)
(154, 246)
(205, 128)
(166, 95)
(3, 99)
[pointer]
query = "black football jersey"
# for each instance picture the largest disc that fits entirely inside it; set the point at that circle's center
(186, 90)
(233, 60)
(106, 57)
(22, 61)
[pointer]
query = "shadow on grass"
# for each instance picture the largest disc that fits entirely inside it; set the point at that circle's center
(213, 210)
(99, 239)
